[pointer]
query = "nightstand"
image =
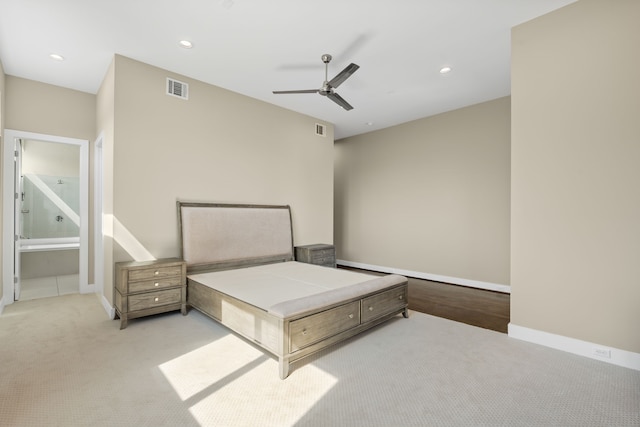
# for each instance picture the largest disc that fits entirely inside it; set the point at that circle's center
(144, 288)
(320, 254)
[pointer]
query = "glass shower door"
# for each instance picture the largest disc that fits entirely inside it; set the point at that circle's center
(50, 208)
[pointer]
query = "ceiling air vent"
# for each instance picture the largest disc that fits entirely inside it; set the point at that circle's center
(177, 88)
(321, 130)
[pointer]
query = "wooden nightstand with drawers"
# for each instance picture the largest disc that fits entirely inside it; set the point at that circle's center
(144, 288)
(319, 254)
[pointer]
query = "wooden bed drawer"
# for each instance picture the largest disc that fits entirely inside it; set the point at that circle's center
(155, 273)
(310, 329)
(154, 299)
(150, 285)
(383, 303)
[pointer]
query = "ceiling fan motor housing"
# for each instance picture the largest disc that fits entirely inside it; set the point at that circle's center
(326, 89)
(328, 86)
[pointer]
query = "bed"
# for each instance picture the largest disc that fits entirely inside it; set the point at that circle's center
(242, 273)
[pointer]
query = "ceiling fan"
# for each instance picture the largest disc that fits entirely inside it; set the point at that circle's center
(328, 86)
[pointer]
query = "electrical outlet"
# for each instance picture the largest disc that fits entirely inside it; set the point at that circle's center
(605, 353)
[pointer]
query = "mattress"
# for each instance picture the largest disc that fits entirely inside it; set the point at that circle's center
(265, 286)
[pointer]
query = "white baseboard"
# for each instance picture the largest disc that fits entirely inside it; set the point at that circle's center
(427, 276)
(1, 305)
(599, 352)
(111, 311)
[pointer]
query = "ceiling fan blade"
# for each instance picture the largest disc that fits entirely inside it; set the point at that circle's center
(296, 91)
(343, 75)
(340, 101)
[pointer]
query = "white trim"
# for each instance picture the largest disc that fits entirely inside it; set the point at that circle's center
(48, 244)
(428, 276)
(612, 355)
(98, 235)
(111, 311)
(85, 287)
(1, 305)
(89, 288)
(8, 192)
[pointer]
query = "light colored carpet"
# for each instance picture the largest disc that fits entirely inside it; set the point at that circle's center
(63, 363)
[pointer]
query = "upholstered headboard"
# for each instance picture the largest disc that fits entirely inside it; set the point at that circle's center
(218, 236)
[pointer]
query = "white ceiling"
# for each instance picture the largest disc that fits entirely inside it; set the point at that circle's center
(256, 46)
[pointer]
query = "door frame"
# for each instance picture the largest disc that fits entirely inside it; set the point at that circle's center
(18, 188)
(98, 235)
(8, 211)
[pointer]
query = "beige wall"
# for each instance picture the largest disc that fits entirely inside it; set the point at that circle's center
(429, 196)
(42, 108)
(575, 173)
(217, 146)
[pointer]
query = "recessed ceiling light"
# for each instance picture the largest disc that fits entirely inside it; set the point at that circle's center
(227, 4)
(56, 57)
(369, 123)
(186, 44)
(445, 70)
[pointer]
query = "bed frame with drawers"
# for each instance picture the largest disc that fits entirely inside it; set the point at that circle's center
(257, 240)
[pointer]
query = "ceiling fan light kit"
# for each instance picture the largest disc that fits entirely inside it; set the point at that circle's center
(328, 86)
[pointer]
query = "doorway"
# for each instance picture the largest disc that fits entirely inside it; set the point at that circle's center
(47, 215)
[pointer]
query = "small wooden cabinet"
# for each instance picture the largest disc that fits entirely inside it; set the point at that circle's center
(144, 288)
(320, 254)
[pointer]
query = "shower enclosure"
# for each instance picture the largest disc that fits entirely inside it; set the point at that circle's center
(49, 212)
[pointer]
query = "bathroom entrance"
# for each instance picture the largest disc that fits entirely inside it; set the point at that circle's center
(49, 218)
(49, 215)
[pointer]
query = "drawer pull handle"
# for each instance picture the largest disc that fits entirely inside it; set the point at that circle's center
(304, 332)
(400, 297)
(370, 308)
(157, 284)
(351, 316)
(156, 299)
(156, 272)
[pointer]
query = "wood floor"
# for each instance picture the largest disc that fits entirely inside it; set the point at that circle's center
(477, 307)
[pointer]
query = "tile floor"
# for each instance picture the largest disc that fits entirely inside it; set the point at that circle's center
(43, 287)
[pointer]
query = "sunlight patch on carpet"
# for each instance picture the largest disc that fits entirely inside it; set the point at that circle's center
(275, 402)
(207, 366)
(218, 381)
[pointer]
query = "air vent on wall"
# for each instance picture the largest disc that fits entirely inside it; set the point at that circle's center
(321, 130)
(177, 88)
